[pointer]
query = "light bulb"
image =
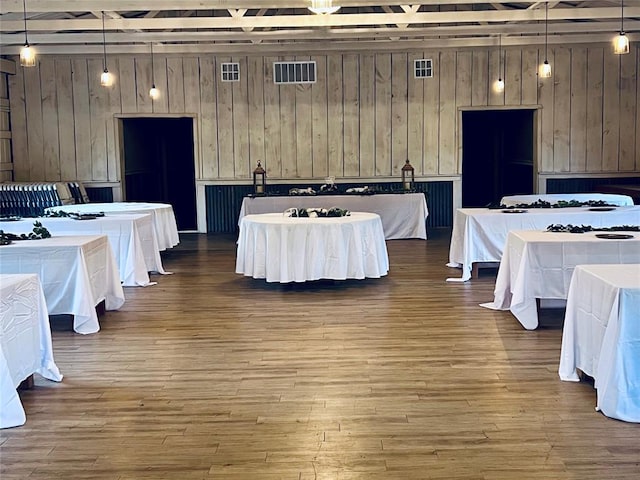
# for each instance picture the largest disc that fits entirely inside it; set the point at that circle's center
(154, 93)
(27, 56)
(545, 69)
(106, 79)
(499, 85)
(621, 44)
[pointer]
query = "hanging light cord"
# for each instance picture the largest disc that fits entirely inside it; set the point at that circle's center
(24, 9)
(153, 75)
(621, 17)
(500, 56)
(546, 28)
(104, 43)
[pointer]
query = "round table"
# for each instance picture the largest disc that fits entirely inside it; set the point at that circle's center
(287, 249)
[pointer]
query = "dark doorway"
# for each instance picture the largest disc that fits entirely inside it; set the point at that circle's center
(159, 165)
(497, 155)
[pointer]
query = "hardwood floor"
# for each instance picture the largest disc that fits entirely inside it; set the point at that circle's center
(212, 375)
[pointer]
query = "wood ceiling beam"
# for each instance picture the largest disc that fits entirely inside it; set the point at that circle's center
(7, 6)
(337, 20)
(468, 31)
(318, 48)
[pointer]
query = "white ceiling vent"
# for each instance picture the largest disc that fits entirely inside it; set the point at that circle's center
(294, 72)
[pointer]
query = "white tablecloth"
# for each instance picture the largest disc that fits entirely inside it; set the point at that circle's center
(164, 220)
(479, 234)
(284, 249)
(540, 264)
(402, 215)
(610, 198)
(601, 336)
(25, 342)
(76, 272)
(131, 237)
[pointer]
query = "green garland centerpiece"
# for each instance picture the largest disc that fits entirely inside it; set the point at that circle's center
(39, 232)
(588, 228)
(74, 215)
(559, 204)
(332, 212)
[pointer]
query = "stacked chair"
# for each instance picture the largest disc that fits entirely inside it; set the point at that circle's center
(78, 192)
(30, 199)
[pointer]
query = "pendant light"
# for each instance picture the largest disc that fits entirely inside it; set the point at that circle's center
(154, 93)
(621, 42)
(323, 7)
(106, 79)
(27, 54)
(499, 85)
(545, 68)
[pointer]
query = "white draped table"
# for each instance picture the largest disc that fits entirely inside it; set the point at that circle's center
(131, 237)
(403, 215)
(479, 234)
(76, 273)
(285, 249)
(164, 220)
(601, 336)
(610, 198)
(539, 265)
(25, 342)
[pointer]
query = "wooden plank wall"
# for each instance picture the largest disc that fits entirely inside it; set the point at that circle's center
(6, 162)
(365, 115)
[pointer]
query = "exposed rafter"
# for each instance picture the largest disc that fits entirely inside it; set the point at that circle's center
(62, 26)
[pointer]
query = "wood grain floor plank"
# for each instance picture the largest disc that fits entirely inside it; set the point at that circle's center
(210, 375)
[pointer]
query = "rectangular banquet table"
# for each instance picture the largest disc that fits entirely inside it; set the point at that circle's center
(76, 272)
(285, 249)
(609, 198)
(601, 336)
(164, 220)
(403, 215)
(479, 234)
(540, 264)
(131, 237)
(25, 342)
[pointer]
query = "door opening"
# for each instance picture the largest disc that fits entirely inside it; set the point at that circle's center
(159, 166)
(497, 155)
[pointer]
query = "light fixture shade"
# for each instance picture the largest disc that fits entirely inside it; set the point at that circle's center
(545, 69)
(106, 79)
(27, 56)
(323, 7)
(154, 93)
(621, 44)
(499, 86)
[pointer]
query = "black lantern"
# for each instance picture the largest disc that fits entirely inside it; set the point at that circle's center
(259, 180)
(408, 176)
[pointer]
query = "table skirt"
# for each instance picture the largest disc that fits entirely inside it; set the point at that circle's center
(282, 249)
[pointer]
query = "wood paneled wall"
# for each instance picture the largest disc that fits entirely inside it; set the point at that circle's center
(365, 115)
(6, 162)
